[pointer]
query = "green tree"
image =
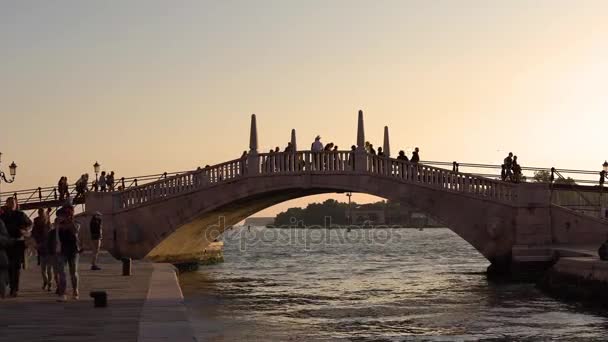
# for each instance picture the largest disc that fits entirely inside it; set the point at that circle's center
(542, 176)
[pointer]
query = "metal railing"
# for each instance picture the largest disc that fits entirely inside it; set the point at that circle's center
(50, 195)
(180, 183)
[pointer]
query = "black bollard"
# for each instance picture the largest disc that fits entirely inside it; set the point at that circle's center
(126, 266)
(100, 298)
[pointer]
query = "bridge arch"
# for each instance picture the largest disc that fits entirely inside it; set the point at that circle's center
(177, 227)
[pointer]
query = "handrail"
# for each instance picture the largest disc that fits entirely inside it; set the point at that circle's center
(180, 183)
(50, 193)
(306, 162)
(524, 168)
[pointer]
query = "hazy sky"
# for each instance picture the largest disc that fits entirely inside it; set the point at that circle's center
(151, 86)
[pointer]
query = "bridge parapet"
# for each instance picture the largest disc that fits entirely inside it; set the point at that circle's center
(307, 162)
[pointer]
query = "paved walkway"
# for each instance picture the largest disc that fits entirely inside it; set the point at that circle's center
(36, 315)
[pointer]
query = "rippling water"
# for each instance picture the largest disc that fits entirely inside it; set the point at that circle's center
(370, 285)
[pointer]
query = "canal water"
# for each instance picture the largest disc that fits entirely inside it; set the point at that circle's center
(370, 285)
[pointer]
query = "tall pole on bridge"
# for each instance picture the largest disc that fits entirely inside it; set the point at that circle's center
(294, 147)
(360, 153)
(386, 147)
(360, 133)
(253, 136)
(253, 160)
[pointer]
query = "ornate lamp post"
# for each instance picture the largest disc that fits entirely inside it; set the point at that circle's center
(12, 170)
(96, 168)
(350, 211)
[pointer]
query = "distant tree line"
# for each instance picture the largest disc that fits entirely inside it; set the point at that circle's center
(337, 212)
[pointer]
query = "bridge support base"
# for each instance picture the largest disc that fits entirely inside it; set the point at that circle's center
(518, 271)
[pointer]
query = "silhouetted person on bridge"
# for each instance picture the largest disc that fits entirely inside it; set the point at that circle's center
(329, 147)
(82, 185)
(380, 152)
(110, 181)
(508, 162)
(503, 172)
(101, 182)
(516, 170)
(402, 156)
(317, 145)
(371, 150)
(62, 187)
(415, 156)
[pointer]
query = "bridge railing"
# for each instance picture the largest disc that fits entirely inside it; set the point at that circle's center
(181, 183)
(49, 196)
(311, 162)
(441, 178)
(306, 161)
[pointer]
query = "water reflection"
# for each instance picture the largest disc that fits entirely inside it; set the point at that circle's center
(413, 285)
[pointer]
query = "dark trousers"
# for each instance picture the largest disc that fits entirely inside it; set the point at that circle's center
(15, 261)
(14, 272)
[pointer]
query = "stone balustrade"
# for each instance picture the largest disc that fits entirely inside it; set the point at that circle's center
(302, 162)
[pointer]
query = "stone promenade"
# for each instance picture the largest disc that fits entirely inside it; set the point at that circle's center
(135, 304)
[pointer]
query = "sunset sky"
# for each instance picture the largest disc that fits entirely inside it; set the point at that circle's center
(150, 86)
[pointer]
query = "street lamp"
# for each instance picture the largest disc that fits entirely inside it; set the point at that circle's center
(96, 167)
(350, 212)
(12, 171)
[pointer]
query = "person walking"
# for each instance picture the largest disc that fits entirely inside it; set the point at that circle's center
(62, 187)
(402, 157)
(508, 162)
(5, 243)
(317, 145)
(18, 226)
(415, 156)
(516, 170)
(69, 254)
(82, 185)
(371, 150)
(110, 181)
(316, 148)
(95, 229)
(102, 182)
(40, 234)
(53, 247)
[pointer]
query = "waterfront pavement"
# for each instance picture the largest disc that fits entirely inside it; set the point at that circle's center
(137, 305)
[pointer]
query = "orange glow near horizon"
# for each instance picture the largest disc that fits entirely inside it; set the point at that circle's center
(146, 87)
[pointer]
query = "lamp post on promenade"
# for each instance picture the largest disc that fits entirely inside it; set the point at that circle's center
(12, 170)
(350, 211)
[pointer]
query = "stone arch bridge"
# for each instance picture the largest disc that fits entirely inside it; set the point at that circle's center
(176, 218)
